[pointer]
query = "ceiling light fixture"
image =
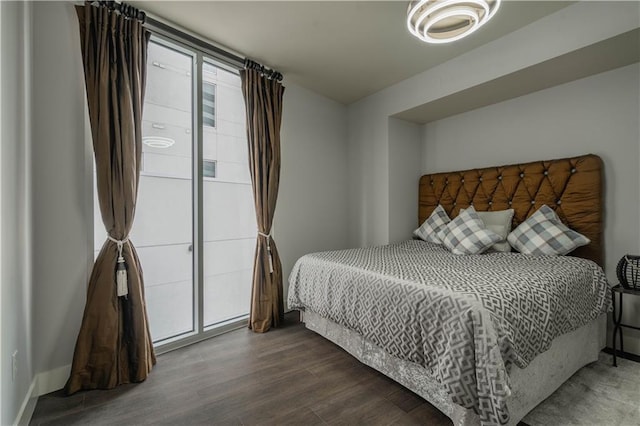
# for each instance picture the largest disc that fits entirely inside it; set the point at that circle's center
(158, 142)
(445, 21)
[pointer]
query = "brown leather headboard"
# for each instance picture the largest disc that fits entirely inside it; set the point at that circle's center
(571, 186)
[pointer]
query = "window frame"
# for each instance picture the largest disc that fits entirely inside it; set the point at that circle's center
(200, 56)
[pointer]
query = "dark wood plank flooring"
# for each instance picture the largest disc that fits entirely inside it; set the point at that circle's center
(289, 375)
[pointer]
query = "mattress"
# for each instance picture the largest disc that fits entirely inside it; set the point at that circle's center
(466, 319)
(530, 386)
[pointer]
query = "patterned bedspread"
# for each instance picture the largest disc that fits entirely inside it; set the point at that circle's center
(466, 319)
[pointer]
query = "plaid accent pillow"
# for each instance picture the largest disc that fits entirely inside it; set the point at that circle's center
(543, 233)
(466, 234)
(428, 231)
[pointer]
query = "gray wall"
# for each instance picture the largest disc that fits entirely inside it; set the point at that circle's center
(598, 115)
(62, 219)
(311, 214)
(15, 229)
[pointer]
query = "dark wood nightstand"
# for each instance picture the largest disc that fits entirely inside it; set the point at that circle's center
(617, 319)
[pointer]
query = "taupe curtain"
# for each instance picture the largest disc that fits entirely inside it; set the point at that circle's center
(114, 344)
(263, 103)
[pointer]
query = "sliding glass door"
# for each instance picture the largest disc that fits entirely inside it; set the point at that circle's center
(195, 223)
(229, 224)
(163, 227)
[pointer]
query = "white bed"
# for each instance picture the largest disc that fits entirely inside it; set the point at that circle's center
(467, 333)
(483, 338)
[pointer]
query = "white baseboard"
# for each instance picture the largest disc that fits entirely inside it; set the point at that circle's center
(43, 383)
(52, 380)
(28, 406)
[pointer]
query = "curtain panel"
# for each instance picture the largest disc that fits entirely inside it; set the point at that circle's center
(114, 343)
(263, 104)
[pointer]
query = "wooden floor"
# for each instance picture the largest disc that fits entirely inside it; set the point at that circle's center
(289, 375)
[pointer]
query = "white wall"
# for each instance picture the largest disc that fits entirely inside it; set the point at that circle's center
(2, 108)
(15, 221)
(312, 210)
(368, 155)
(405, 169)
(598, 115)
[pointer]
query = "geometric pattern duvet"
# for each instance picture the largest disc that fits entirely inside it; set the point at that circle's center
(466, 319)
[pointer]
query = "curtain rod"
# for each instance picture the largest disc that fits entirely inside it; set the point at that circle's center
(218, 53)
(269, 73)
(171, 32)
(124, 9)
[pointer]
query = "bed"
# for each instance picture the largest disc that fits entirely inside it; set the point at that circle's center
(484, 338)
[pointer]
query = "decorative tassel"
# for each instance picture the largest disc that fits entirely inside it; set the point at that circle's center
(121, 278)
(122, 288)
(268, 237)
(270, 258)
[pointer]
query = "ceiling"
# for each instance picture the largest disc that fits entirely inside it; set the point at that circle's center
(608, 54)
(344, 50)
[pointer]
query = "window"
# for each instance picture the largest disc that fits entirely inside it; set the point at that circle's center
(209, 168)
(195, 227)
(229, 224)
(209, 104)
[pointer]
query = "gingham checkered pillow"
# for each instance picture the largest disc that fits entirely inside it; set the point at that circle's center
(428, 231)
(466, 234)
(544, 234)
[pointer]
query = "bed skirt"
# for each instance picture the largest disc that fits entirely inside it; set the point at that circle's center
(529, 386)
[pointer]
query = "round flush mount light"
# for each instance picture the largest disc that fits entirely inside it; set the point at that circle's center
(445, 21)
(158, 142)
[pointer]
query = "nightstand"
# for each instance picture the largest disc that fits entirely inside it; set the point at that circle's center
(617, 319)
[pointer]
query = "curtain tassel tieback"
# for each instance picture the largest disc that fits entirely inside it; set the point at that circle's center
(268, 237)
(122, 288)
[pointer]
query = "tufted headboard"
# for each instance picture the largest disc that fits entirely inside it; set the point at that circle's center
(571, 186)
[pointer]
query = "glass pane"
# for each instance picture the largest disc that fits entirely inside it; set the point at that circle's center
(229, 217)
(163, 227)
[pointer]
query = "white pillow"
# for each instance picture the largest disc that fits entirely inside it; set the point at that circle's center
(543, 233)
(428, 231)
(500, 223)
(466, 234)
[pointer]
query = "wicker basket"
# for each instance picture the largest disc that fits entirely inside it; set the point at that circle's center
(628, 272)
